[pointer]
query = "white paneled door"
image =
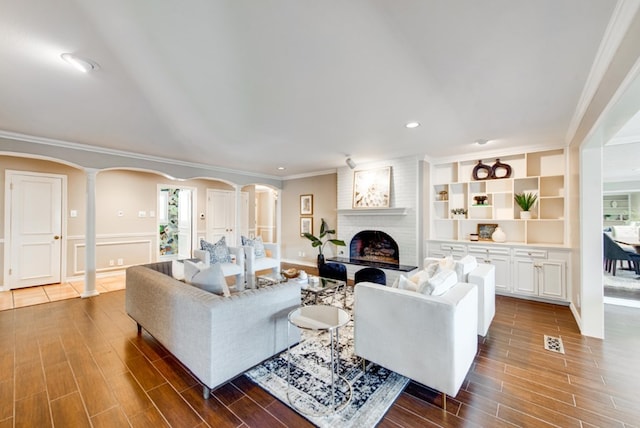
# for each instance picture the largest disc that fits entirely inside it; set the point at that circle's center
(221, 216)
(35, 231)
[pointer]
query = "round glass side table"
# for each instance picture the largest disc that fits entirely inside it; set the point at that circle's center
(320, 318)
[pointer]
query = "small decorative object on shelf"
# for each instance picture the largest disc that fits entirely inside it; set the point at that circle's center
(525, 201)
(498, 235)
(481, 171)
(485, 231)
(473, 236)
(480, 199)
(443, 195)
(458, 213)
(500, 170)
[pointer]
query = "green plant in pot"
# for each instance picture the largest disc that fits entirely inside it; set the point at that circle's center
(525, 201)
(317, 241)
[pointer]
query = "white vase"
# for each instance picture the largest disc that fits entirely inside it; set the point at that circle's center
(498, 235)
(525, 215)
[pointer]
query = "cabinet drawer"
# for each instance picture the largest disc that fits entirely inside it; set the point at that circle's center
(492, 251)
(534, 254)
(453, 247)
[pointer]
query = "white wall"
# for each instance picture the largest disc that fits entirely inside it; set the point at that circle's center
(406, 192)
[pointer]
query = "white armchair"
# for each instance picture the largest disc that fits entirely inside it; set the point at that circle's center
(255, 264)
(430, 339)
(228, 269)
(484, 276)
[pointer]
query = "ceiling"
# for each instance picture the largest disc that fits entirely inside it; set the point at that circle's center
(253, 85)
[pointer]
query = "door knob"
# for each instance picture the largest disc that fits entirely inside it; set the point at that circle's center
(57, 237)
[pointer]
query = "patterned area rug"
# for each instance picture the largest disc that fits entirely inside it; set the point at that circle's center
(373, 391)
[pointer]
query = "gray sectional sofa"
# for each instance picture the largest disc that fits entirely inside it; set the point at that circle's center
(215, 337)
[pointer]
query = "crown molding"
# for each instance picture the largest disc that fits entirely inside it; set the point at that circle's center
(619, 23)
(121, 153)
(309, 174)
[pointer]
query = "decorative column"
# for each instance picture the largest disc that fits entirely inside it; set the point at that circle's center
(90, 237)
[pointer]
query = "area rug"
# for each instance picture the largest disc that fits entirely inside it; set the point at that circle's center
(623, 279)
(373, 390)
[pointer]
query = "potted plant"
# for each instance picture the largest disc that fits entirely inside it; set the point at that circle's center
(525, 201)
(317, 241)
(459, 213)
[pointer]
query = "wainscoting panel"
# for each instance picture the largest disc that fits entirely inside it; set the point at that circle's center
(115, 254)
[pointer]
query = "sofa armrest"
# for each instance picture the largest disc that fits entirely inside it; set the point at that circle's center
(484, 276)
(253, 264)
(203, 256)
(238, 252)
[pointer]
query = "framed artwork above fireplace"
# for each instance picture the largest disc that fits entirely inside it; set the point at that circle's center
(371, 188)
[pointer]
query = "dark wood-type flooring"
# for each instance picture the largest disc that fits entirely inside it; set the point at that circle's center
(80, 362)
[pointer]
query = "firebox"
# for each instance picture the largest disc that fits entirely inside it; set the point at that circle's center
(374, 246)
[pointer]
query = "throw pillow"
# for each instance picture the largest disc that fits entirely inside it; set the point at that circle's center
(440, 283)
(405, 283)
(210, 278)
(257, 244)
(190, 269)
(432, 268)
(447, 263)
(218, 252)
(177, 270)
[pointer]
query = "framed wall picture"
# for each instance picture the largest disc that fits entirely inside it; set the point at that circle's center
(485, 231)
(371, 188)
(306, 225)
(306, 204)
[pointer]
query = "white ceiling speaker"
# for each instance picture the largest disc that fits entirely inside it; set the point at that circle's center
(350, 163)
(81, 64)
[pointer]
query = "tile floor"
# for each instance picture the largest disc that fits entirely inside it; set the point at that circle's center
(29, 296)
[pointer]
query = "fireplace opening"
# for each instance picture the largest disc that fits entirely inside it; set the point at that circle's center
(374, 246)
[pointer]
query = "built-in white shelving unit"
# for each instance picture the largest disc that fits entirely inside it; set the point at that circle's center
(616, 208)
(542, 173)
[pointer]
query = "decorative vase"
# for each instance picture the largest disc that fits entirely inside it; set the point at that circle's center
(525, 215)
(320, 260)
(481, 171)
(498, 235)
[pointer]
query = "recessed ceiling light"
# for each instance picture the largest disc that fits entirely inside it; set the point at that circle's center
(81, 64)
(281, 168)
(481, 142)
(412, 125)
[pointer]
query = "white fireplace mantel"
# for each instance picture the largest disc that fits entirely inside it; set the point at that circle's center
(374, 211)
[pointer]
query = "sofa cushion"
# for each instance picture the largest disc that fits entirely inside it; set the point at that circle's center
(257, 244)
(440, 283)
(209, 278)
(218, 252)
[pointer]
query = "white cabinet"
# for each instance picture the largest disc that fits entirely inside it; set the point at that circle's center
(540, 273)
(490, 201)
(221, 216)
(521, 271)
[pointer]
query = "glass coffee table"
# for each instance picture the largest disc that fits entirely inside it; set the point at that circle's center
(321, 287)
(320, 318)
